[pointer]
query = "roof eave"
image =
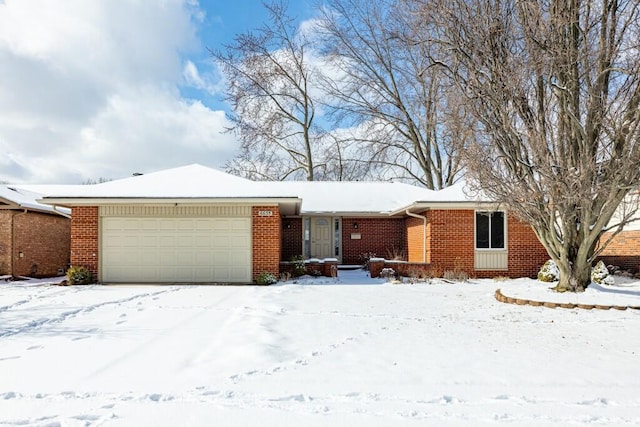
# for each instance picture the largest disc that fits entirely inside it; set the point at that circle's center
(454, 205)
(100, 201)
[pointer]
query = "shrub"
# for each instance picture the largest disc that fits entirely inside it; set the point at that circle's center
(600, 274)
(285, 277)
(364, 258)
(388, 273)
(299, 268)
(266, 279)
(549, 272)
(395, 254)
(78, 275)
(457, 274)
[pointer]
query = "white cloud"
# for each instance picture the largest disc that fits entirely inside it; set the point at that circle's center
(90, 89)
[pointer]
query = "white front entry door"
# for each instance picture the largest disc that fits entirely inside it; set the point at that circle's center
(321, 242)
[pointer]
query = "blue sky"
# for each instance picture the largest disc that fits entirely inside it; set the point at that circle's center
(222, 21)
(105, 88)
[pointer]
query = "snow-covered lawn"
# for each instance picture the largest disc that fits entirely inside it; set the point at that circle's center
(317, 353)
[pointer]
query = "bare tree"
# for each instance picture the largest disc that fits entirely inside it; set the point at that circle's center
(412, 125)
(555, 87)
(269, 86)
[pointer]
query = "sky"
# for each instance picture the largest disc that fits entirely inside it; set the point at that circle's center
(103, 88)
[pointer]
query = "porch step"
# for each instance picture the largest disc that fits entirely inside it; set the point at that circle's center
(349, 267)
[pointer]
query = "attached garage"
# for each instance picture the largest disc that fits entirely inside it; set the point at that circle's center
(190, 224)
(156, 244)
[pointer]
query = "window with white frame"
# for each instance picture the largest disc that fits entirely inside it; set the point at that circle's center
(490, 230)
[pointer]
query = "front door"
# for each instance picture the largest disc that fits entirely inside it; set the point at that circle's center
(321, 238)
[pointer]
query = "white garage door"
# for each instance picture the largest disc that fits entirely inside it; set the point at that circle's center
(176, 250)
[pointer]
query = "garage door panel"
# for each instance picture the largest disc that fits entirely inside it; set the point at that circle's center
(176, 249)
(148, 241)
(239, 242)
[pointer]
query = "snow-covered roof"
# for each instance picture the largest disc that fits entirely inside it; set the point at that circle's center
(200, 182)
(353, 196)
(459, 192)
(23, 199)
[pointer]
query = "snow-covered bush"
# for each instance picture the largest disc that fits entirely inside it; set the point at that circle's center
(388, 273)
(600, 274)
(549, 272)
(78, 275)
(266, 279)
(299, 268)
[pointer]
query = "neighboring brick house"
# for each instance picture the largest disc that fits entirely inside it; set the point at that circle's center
(34, 238)
(198, 225)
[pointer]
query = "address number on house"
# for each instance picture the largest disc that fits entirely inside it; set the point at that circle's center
(265, 213)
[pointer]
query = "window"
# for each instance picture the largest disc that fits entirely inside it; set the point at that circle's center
(307, 237)
(490, 230)
(336, 237)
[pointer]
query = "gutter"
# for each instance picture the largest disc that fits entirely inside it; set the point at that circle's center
(424, 233)
(55, 209)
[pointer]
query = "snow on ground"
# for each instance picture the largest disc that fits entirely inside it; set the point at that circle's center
(342, 352)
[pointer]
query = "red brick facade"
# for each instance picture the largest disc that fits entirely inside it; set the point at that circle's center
(266, 238)
(33, 244)
(84, 238)
(291, 238)
(449, 238)
(380, 236)
(451, 244)
(623, 251)
(6, 243)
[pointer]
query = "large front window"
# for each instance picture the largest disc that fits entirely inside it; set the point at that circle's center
(490, 230)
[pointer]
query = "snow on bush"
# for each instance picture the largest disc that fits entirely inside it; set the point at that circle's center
(78, 275)
(600, 274)
(388, 273)
(549, 272)
(266, 279)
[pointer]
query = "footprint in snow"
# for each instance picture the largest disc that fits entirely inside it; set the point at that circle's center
(9, 395)
(10, 358)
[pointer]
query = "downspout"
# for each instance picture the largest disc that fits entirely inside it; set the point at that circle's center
(424, 233)
(13, 240)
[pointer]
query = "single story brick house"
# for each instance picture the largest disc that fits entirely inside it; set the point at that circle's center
(34, 238)
(195, 224)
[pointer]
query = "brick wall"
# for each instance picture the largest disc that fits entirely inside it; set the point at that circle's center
(291, 238)
(42, 239)
(623, 251)
(266, 238)
(378, 235)
(84, 238)
(6, 218)
(526, 253)
(41, 244)
(452, 241)
(452, 244)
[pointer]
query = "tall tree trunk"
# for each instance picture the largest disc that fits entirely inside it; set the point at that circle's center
(574, 276)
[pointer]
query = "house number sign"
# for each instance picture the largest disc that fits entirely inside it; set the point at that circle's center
(265, 213)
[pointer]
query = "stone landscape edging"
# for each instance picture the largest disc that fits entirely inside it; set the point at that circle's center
(521, 301)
